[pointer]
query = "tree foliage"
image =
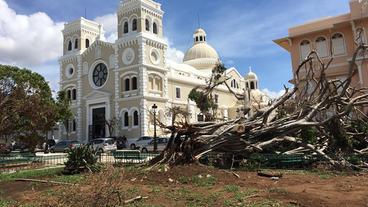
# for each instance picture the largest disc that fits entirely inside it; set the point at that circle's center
(27, 109)
(203, 96)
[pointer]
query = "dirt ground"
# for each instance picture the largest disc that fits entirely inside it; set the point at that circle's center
(197, 186)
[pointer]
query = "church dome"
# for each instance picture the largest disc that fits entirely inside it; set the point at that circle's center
(201, 55)
(201, 50)
(251, 75)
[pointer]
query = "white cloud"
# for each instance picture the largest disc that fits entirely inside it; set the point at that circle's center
(28, 40)
(174, 54)
(273, 94)
(110, 24)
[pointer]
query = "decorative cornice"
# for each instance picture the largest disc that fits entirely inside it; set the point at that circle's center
(95, 44)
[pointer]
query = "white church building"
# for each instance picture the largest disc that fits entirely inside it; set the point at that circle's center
(124, 79)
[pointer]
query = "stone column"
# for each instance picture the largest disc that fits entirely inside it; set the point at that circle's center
(117, 89)
(79, 100)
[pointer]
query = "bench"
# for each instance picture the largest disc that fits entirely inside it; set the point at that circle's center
(15, 160)
(277, 160)
(128, 156)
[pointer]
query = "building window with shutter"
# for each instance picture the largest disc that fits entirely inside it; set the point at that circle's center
(321, 47)
(338, 44)
(304, 49)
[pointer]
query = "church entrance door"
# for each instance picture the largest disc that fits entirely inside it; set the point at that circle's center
(98, 123)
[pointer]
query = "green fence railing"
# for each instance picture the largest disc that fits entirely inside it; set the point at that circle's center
(16, 161)
(229, 160)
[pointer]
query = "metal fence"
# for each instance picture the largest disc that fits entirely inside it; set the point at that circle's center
(20, 161)
(229, 160)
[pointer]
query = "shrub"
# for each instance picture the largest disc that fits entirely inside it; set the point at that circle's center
(309, 135)
(81, 159)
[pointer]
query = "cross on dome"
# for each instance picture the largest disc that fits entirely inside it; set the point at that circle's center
(251, 75)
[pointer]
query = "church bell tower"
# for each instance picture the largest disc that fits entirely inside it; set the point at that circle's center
(142, 48)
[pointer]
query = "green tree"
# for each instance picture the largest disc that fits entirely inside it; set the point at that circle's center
(63, 109)
(27, 109)
(203, 97)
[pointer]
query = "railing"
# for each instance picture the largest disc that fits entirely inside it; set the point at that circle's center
(20, 161)
(229, 160)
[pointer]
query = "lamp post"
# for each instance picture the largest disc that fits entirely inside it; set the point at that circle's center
(154, 109)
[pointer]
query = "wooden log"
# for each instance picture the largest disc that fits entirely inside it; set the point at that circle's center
(44, 181)
(269, 175)
(138, 198)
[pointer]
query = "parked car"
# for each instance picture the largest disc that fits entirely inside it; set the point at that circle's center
(142, 141)
(19, 146)
(161, 144)
(121, 142)
(64, 146)
(104, 144)
(4, 149)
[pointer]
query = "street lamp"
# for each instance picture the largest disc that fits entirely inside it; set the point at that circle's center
(154, 110)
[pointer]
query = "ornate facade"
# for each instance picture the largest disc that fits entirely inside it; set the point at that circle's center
(124, 79)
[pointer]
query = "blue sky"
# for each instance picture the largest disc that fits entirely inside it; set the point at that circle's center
(240, 30)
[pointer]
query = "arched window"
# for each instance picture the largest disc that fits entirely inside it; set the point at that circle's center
(196, 39)
(134, 83)
(87, 43)
(321, 46)
(126, 119)
(201, 38)
(76, 44)
(338, 44)
(252, 85)
(69, 94)
(233, 83)
(158, 83)
(135, 118)
(127, 84)
(70, 46)
(148, 25)
(74, 94)
(126, 27)
(247, 85)
(155, 28)
(134, 25)
(150, 80)
(304, 49)
(74, 125)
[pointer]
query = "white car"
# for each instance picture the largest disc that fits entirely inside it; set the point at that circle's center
(139, 143)
(161, 144)
(104, 145)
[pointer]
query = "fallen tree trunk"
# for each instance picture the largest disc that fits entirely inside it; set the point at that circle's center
(329, 107)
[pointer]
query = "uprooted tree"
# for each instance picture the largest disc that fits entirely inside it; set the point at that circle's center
(318, 116)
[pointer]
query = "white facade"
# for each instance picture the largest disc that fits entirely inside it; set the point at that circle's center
(124, 79)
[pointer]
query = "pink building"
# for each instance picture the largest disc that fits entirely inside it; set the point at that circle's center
(332, 37)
